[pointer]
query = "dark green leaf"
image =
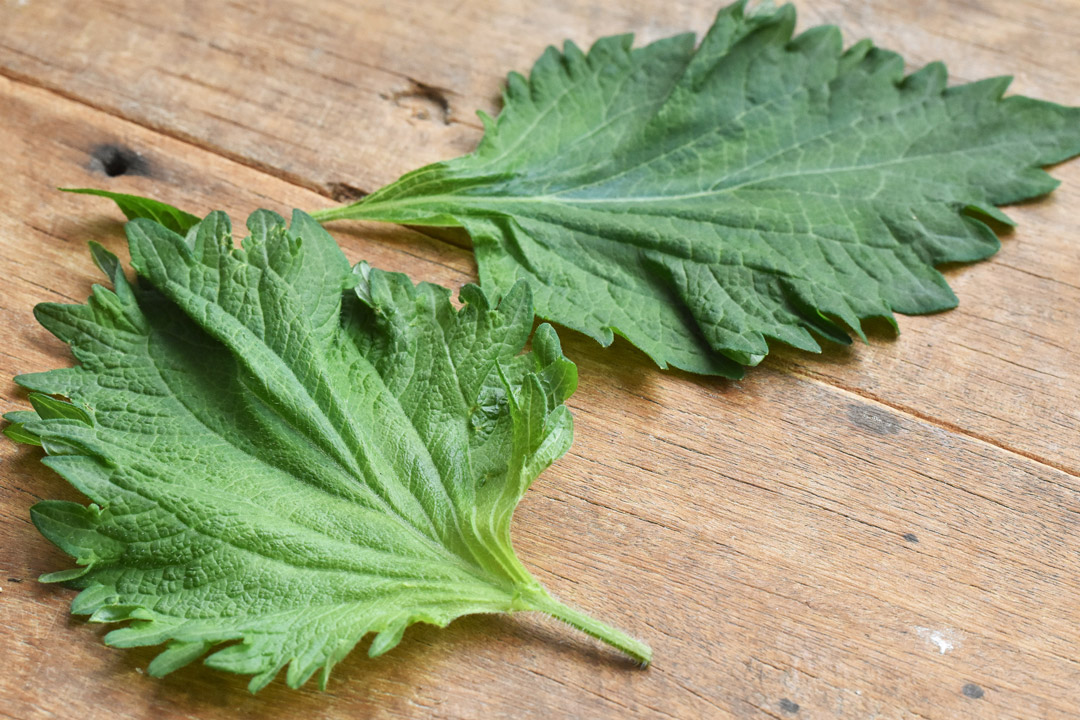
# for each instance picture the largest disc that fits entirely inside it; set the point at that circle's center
(134, 206)
(705, 201)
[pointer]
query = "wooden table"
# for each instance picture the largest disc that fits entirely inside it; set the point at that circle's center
(884, 531)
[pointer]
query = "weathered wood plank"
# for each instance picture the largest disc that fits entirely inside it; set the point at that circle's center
(789, 548)
(340, 96)
(358, 93)
(1002, 366)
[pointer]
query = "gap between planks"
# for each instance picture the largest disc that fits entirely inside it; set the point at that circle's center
(923, 417)
(301, 182)
(189, 139)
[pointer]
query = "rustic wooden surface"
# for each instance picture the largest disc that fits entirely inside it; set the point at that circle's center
(886, 531)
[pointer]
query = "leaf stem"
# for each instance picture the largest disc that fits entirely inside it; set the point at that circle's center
(614, 637)
(342, 212)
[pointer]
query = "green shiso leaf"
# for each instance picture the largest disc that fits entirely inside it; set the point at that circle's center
(704, 201)
(136, 206)
(287, 454)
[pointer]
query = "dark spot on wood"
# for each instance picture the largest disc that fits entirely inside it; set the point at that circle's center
(876, 420)
(420, 95)
(911, 537)
(788, 706)
(344, 193)
(14, 580)
(973, 691)
(115, 160)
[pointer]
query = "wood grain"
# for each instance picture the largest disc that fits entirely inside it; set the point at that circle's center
(889, 531)
(343, 97)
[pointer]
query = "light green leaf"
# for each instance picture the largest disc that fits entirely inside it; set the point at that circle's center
(16, 430)
(705, 201)
(278, 459)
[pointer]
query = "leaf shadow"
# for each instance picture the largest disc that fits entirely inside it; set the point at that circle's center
(105, 229)
(878, 331)
(421, 256)
(483, 640)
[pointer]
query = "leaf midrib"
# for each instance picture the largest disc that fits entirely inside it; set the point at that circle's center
(348, 468)
(555, 199)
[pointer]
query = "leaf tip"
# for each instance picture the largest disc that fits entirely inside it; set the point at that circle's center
(386, 640)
